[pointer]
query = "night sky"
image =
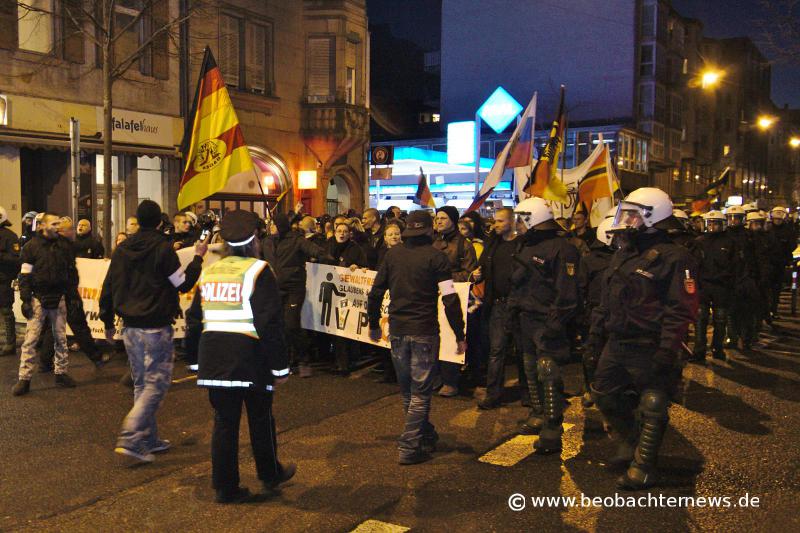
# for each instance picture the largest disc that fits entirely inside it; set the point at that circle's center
(419, 21)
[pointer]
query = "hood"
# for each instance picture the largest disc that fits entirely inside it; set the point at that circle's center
(141, 243)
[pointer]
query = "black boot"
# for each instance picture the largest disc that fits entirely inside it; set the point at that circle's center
(21, 388)
(617, 409)
(8, 339)
(550, 435)
(641, 473)
(535, 421)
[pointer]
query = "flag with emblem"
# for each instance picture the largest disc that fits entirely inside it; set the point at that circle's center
(216, 148)
(424, 197)
(703, 201)
(597, 183)
(543, 181)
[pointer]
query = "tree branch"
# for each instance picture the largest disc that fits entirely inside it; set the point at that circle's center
(126, 63)
(80, 26)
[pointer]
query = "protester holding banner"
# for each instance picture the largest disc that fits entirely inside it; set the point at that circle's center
(414, 274)
(141, 287)
(242, 356)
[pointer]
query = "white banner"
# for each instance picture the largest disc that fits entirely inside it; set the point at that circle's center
(336, 303)
(92, 273)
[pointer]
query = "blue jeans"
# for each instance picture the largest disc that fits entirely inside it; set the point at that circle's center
(150, 353)
(414, 358)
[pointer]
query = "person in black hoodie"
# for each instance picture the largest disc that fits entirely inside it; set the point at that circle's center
(287, 253)
(141, 287)
(9, 268)
(345, 253)
(242, 355)
(87, 245)
(47, 275)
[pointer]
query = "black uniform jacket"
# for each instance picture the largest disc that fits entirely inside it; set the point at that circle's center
(650, 295)
(544, 282)
(590, 274)
(88, 246)
(288, 256)
(9, 255)
(718, 263)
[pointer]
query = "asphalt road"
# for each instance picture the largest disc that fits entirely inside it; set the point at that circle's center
(733, 434)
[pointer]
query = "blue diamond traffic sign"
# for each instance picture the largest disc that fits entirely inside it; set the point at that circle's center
(499, 110)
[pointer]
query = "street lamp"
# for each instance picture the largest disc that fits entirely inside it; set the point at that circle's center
(794, 142)
(765, 122)
(710, 78)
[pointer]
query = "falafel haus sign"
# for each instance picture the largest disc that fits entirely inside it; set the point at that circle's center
(336, 303)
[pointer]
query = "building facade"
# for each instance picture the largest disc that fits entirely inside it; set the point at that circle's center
(296, 71)
(298, 78)
(52, 73)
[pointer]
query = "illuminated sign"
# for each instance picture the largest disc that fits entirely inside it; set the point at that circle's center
(461, 142)
(499, 110)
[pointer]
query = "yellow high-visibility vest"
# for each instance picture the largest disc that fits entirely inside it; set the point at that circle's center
(225, 289)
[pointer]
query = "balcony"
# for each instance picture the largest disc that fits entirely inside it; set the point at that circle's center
(334, 120)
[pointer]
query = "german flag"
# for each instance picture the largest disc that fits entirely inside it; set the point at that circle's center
(597, 181)
(542, 181)
(216, 150)
(423, 196)
(710, 194)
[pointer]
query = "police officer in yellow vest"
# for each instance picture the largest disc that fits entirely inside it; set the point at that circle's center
(241, 356)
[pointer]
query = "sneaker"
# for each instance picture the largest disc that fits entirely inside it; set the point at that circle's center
(21, 388)
(489, 403)
(65, 380)
(416, 457)
(161, 445)
(140, 455)
(448, 391)
(287, 472)
(237, 495)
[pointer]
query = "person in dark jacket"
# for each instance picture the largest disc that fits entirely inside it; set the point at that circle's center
(287, 252)
(141, 287)
(495, 268)
(373, 231)
(783, 232)
(242, 356)
(766, 250)
(415, 273)
(27, 228)
(716, 255)
(345, 253)
(47, 275)
(746, 293)
(9, 268)
(87, 245)
(463, 260)
(544, 292)
(650, 298)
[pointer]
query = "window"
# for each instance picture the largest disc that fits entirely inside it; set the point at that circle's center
(646, 100)
(351, 87)
(35, 26)
(676, 106)
(726, 150)
(646, 60)
(648, 24)
(245, 48)
(320, 70)
(137, 24)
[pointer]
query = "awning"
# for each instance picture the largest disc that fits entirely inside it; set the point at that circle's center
(35, 139)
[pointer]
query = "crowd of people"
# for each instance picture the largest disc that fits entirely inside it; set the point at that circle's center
(619, 299)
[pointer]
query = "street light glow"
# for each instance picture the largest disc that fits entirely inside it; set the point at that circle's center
(794, 142)
(710, 78)
(765, 122)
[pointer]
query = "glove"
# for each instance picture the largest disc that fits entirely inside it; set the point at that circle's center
(27, 310)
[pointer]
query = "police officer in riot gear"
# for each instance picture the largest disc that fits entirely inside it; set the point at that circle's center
(716, 255)
(590, 281)
(762, 272)
(544, 291)
(783, 231)
(649, 301)
(744, 293)
(9, 268)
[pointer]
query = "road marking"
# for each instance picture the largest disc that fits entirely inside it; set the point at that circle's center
(183, 380)
(376, 526)
(467, 419)
(513, 451)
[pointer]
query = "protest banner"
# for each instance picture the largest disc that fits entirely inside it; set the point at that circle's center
(336, 303)
(92, 273)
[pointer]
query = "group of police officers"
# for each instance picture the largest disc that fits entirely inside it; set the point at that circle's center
(630, 295)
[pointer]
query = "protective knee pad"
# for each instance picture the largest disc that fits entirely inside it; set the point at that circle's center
(618, 410)
(653, 407)
(550, 377)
